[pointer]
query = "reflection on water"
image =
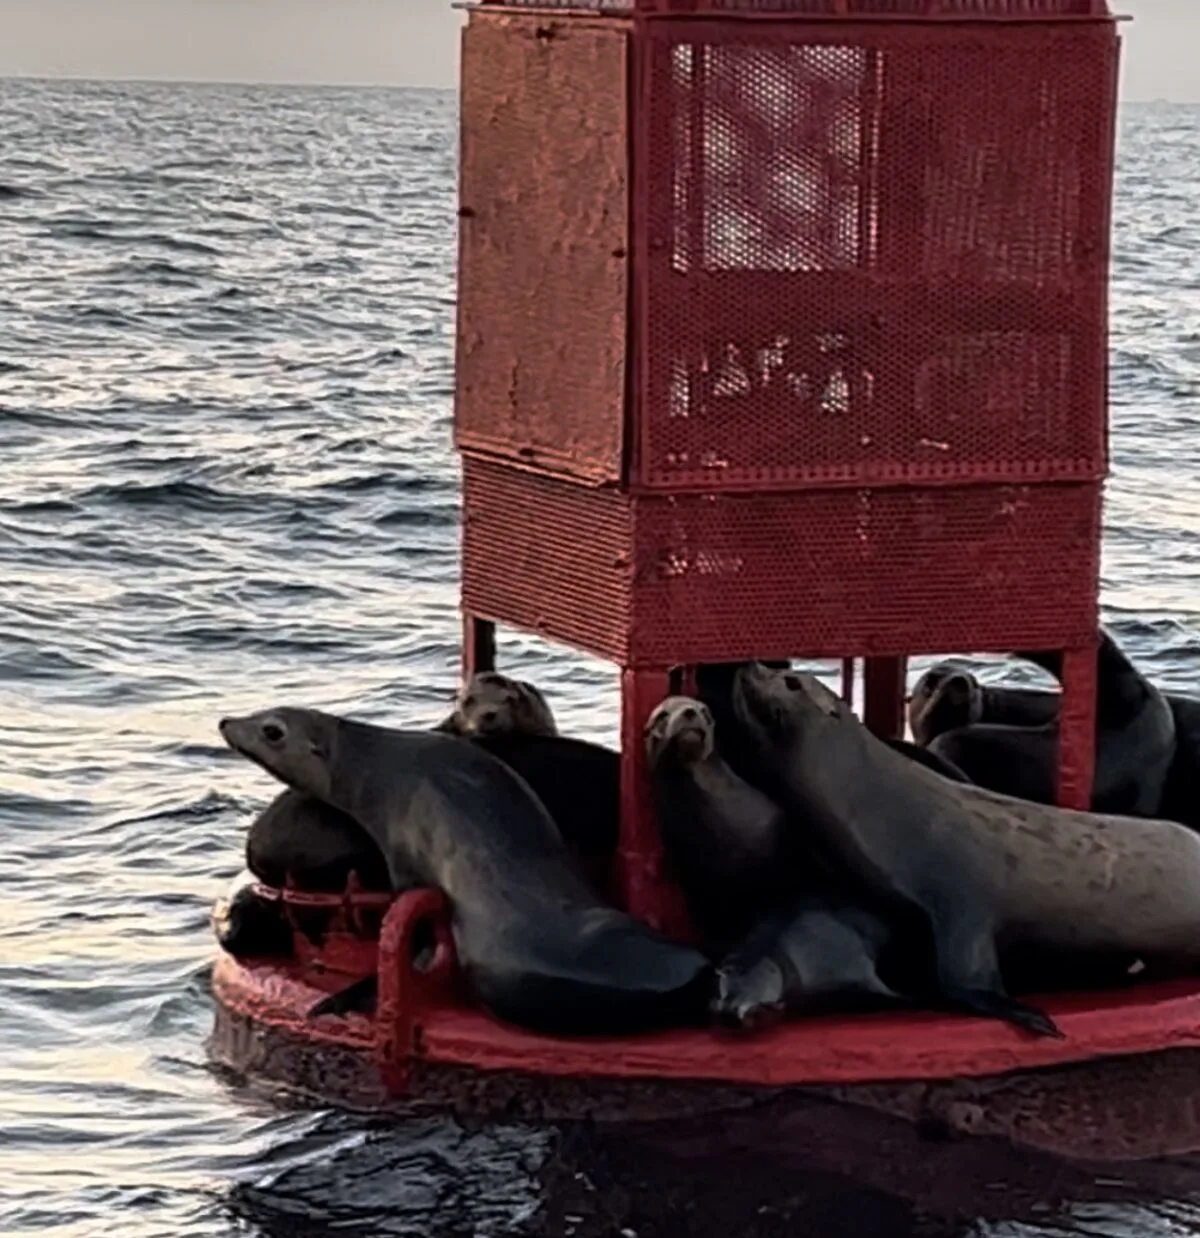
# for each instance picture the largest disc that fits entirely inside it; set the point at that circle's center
(225, 378)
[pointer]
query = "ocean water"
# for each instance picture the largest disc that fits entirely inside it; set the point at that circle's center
(226, 480)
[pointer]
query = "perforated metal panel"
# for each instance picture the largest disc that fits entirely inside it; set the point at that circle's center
(543, 239)
(868, 259)
(872, 252)
(660, 580)
(998, 9)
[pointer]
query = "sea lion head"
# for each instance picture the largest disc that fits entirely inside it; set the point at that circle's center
(944, 699)
(777, 706)
(296, 745)
(683, 728)
(492, 704)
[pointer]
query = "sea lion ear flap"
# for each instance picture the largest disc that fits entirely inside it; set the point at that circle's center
(320, 745)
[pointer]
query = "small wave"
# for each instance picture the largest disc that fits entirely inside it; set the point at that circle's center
(194, 496)
(15, 193)
(28, 659)
(212, 805)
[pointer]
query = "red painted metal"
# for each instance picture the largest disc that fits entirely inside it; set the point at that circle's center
(839, 10)
(646, 891)
(424, 1017)
(479, 646)
(659, 580)
(1077, 728)
(883, 688)
(781, 333)
(861, 380)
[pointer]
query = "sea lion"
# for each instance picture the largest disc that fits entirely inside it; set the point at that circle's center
(489, 703)
(301, 841)
(714, 686)
(1035, 707)
(298, 838)
(726, 842)
(982, 870)
(814, 955)
(1135, 739)
(1181, 798)
(947, 697)
(537, 946)
(248, 926)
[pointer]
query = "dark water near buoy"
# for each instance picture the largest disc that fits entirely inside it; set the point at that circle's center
(226, 479)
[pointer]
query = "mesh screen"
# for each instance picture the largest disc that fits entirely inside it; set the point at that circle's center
(833, 8)
(543, 289)
(873, 253)
(548, 556)
(661, 580)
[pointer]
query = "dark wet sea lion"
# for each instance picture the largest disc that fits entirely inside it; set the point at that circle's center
(1181, 799)
(537, 947)
(1034, 707)
(985, 871)
(727, 844)
(817, 954)
(248, 926)
(714, 686)
(1135, 739)
(489, 703)
(298, 838)
(970, 701)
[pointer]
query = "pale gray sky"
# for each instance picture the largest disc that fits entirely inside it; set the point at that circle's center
(410, 42)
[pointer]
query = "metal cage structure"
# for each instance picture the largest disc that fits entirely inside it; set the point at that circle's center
(782, 333)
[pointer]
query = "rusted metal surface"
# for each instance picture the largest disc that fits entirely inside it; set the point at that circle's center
(887, 10)
(658, 581)
(543, 243)
(1126, 1103)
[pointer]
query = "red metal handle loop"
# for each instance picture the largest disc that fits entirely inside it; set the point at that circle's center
(404, 988)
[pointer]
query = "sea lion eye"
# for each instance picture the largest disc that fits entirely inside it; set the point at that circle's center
(273, 733)
(793, 682)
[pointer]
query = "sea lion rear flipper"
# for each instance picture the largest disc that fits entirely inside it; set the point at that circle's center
(968, 971)
(999, 1006)
(359, 996)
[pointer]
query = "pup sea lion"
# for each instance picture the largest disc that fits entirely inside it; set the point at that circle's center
(489, 703)
(983, 870)
(727, 843)
(817, 954)
(1135, 738)
(537, 946)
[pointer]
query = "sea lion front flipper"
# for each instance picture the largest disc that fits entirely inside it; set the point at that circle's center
(968, 972)
(359, 997)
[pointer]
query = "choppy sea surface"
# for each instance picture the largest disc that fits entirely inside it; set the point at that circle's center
(226, 480)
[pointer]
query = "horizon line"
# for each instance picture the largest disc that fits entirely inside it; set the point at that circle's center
(139, 79)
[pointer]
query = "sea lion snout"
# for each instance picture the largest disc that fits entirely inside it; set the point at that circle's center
(683, 725)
